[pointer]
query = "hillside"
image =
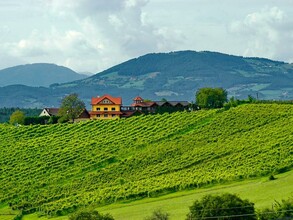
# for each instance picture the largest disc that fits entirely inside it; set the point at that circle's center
(38, 74)
(174, 76)
(55, 169)
(177, 75)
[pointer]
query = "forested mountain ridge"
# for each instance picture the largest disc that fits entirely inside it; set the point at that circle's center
(179, 74)
(174, 76)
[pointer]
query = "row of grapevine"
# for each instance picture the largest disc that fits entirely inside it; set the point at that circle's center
(54, 169)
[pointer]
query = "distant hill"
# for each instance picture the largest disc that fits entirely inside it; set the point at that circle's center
(173, 76)
(38, 74)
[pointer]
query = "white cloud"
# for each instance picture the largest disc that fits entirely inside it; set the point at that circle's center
(99, 35)
(268, 32)
(92, 35)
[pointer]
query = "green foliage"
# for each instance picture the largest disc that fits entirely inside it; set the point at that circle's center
(225, 206)
(211, 97)
(71, 107)
(283, 210)
(158, 215)
(17, 117)
(67, 166)
(90, 215)
(6, 112)
(36, 120)
(53, 119)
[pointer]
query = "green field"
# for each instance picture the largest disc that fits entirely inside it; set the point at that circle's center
(261, 191)
(52, 170)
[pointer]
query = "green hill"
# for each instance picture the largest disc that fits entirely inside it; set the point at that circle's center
(55, 169)
(37, 74)
(174, 76)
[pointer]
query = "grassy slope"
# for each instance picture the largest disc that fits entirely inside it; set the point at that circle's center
(65, 166)
(260, 191)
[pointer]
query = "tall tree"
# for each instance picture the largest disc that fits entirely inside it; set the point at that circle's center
(211, 97)
(17, 117)
(71, 107)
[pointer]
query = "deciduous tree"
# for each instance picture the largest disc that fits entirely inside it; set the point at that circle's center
(17, 117)
(71, 107)
(211, 97)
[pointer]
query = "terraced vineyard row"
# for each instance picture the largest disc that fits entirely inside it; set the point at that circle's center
(55, 169)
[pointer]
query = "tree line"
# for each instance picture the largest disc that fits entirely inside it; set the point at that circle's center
(223, 206)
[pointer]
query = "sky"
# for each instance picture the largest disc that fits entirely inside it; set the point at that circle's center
(93, 35)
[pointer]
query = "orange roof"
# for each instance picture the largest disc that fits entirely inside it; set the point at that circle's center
(115, 100)
(137, 98)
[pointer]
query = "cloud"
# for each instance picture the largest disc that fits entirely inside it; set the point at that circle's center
(268, 32)
(88, 35)
(105, 33)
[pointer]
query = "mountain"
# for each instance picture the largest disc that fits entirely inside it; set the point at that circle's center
(173, 76)
(38, 74)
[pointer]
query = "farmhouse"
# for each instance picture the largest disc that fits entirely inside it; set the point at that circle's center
(109, 107)
(157, 106)
(106, 107)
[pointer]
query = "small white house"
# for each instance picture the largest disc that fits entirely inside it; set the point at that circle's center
(49, 112)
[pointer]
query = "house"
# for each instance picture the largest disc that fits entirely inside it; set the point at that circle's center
(159, 106)
(140, 105)
(84, 115)
(49, 112)
(106, 107)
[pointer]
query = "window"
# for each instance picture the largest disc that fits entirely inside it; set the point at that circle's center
(106, 101)
(105, 109)
(113, 109)
(98, 116)
(113, 115)
(98, 109)
(105, 115)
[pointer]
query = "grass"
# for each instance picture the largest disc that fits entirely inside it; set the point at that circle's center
(261, 191)
(6, 213)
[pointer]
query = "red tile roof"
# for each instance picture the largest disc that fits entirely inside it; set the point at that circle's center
(115, 100)
(137, 98)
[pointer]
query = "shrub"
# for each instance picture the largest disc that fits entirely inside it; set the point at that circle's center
(225, 206)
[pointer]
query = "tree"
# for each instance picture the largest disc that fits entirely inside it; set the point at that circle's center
(17, 117)
(211, 97)
(89, 215)
(225, 206)
(71, 107)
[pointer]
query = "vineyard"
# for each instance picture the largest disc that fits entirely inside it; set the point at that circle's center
(55, 169)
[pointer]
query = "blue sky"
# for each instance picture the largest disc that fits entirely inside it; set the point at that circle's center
(93, 35)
